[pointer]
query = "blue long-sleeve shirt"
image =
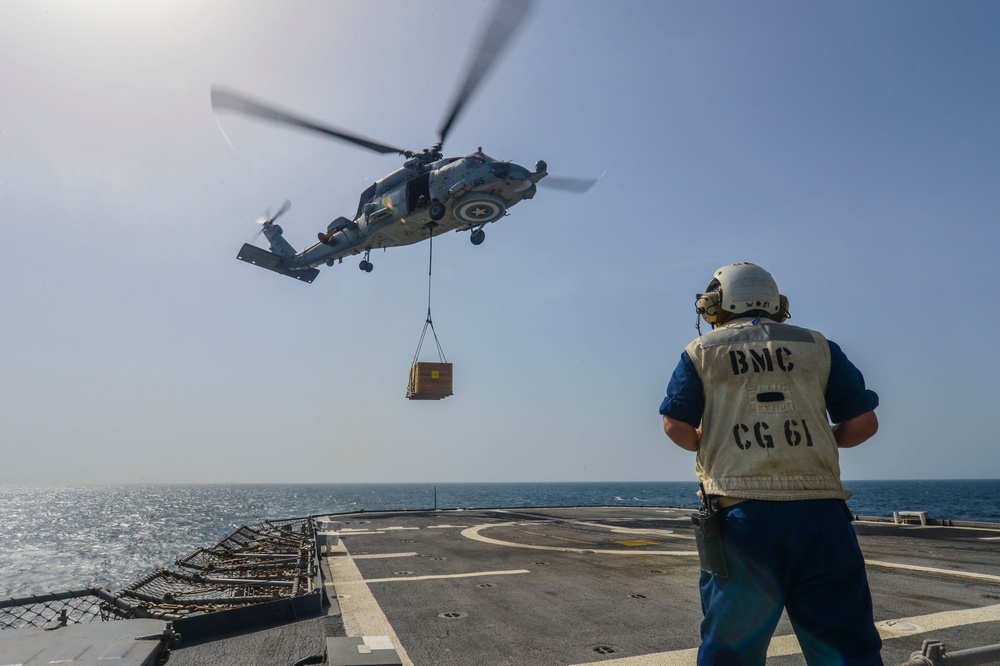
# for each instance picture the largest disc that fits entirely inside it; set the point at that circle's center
(846, 395)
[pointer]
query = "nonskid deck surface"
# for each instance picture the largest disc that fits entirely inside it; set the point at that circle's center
(609, 585)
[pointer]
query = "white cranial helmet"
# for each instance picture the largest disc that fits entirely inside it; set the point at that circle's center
(738, 288)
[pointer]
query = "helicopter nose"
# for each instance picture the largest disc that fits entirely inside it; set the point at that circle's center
(519, 173)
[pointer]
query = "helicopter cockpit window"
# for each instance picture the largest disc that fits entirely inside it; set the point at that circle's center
(473, 161)
(365, 198)
(501, 170)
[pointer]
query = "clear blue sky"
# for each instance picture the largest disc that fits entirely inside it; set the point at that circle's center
(851, 148)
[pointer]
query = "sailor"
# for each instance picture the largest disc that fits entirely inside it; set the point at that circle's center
(751, 397)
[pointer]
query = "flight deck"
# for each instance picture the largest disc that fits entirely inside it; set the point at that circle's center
(588, 585)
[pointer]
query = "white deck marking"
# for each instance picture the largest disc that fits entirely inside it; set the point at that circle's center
(666, 534)
(473, 533)
(934, 621)
(359, 610)
(533, 516)
(378, 556)
(473, 574)
(931, 570)
(908, 527)
(788, 644)
(444, 527)
(353, 532)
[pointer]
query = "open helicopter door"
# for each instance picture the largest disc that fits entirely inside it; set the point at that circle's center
(430, 381)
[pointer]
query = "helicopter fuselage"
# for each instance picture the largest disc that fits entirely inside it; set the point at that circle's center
(413, 203)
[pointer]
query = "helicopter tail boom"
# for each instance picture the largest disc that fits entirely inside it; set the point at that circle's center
(273, 262)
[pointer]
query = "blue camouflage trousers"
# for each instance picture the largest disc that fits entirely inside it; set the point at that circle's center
(799, 555)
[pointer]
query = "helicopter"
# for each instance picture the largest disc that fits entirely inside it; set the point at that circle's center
(428, 196)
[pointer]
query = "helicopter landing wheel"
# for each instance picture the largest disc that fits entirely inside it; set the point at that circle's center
(436, 211)
(366, 266)
(478, 237)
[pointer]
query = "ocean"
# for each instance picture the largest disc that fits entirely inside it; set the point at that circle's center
(55, 539)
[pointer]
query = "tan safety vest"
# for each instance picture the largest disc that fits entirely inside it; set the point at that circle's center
(765, 433)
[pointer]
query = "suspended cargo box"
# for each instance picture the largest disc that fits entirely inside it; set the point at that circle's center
(429, 381)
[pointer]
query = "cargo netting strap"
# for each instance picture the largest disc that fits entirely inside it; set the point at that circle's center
(429, 323)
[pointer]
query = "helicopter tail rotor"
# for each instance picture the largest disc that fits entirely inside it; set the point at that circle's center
(266, 220)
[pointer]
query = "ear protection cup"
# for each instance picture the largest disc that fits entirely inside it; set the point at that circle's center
(707, 305)
(783, 313)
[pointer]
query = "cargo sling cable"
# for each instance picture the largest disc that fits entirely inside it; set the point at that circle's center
(429, 322)
(413, 387)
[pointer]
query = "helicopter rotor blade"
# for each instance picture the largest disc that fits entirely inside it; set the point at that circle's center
(576, 185)
(233, 101)
(508, 16)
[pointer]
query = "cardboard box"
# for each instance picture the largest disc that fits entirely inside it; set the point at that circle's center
(430, 381)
